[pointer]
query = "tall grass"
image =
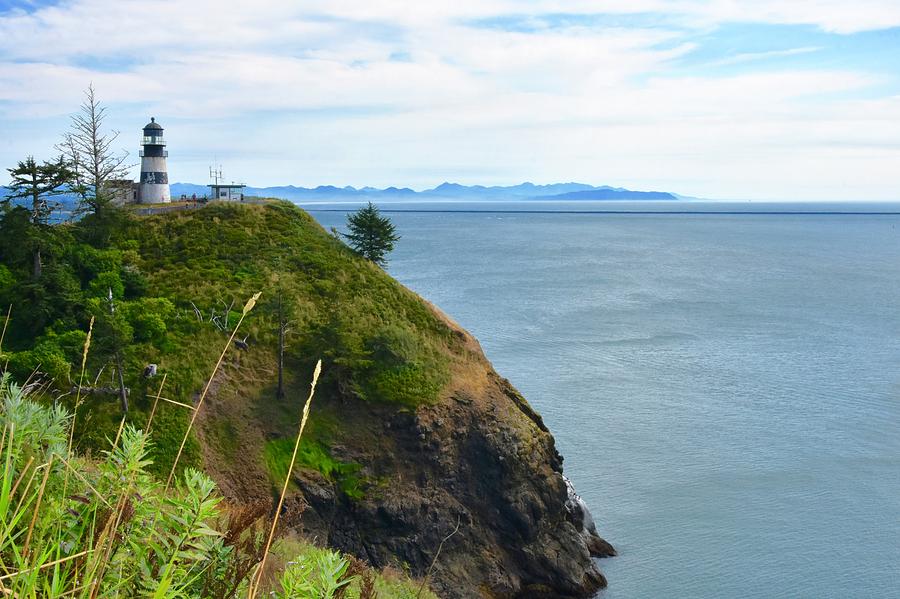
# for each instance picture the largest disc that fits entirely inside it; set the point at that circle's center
(5, 325)
(3, 334)
(111, 529)
(247, 307)
(254, 586)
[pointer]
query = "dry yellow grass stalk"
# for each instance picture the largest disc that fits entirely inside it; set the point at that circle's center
(253, 588)
(156, 403)
(22, 474)
(247, 307)
(5, 324)
(119, 432)
(84, 355)
(177, 403)
(37, 506)
(47, 565)
(84, 480)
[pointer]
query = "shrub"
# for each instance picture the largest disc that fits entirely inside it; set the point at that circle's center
(313, 455)
(52, 355)
(7, 281)
(134, 281)
(92, 261)
(105, 282)
(149, 318)
(408, 384)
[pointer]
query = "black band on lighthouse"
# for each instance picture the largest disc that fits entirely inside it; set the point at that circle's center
(155, 177)
(154, 151)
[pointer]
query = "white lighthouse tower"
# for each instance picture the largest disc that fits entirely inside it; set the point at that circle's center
(154, 175)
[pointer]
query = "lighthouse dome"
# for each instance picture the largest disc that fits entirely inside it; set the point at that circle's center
(152, 124)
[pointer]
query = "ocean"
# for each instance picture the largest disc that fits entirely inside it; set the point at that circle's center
(722, 379)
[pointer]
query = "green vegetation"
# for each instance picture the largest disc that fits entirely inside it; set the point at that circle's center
(75, 527)
(314, 456)
(37, 183)
(371, 235)
(175, 280)
(363, 323)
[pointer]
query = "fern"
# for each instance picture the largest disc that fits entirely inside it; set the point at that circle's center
(318, 574)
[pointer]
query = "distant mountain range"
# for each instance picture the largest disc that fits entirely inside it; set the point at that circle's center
(444, 191)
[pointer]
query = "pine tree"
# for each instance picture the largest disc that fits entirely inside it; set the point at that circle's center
(371, 235)
(38, 183)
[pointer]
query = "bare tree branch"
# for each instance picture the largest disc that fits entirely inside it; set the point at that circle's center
(90, 149)
(197, 312)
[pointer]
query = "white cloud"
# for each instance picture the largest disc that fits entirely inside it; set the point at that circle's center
(392, 92)
(754, 56)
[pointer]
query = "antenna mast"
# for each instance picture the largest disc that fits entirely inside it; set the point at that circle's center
(215, 174)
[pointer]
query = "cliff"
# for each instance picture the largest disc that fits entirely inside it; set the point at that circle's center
(478, 465)
(417, 452)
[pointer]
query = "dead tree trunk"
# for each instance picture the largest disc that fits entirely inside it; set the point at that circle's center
(279, 394)
(123, 392)
(36, 220)
(37, 263)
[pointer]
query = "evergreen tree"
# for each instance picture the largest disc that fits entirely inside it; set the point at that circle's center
(37, 183)
(371, 235)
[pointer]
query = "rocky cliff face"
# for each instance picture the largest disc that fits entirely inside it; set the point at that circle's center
(472, 484)
(486, 464)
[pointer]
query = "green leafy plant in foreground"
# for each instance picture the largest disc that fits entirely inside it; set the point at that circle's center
(73, 527)
(318, 573)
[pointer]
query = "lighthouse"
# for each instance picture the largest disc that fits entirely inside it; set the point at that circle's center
(154, 175)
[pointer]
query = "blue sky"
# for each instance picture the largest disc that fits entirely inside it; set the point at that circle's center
(759, 99)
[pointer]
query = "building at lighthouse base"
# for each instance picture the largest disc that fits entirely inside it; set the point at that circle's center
(123, 192)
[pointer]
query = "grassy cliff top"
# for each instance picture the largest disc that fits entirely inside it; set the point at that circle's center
(178, 282)
(379, 339)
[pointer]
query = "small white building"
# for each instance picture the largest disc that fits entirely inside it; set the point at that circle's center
(121, 191)
(233, 192)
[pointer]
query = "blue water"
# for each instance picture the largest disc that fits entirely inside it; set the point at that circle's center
(725, 388)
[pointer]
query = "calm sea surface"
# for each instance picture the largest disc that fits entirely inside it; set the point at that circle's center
(725, 388)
